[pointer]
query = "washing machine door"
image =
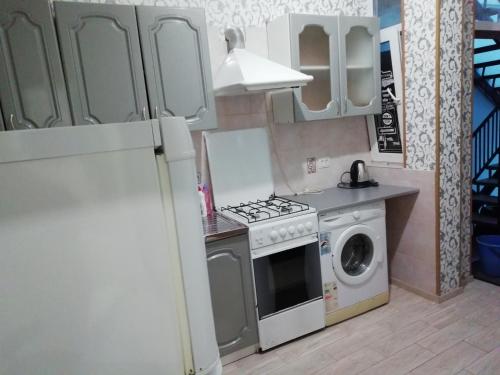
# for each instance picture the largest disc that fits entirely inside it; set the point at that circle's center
(357, 255)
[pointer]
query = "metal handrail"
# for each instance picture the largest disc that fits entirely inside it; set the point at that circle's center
(486, 142)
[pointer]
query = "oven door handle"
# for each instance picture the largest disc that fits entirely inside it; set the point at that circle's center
(288, 245)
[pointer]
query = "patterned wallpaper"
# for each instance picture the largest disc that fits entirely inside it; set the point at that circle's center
(420, 93)
(221, 13)
(456, 44)
(467, 77)
(450, 142)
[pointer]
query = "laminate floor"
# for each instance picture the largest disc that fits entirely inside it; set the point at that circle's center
(410, 335)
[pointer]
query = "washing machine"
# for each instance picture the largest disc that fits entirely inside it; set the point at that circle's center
(353, 260)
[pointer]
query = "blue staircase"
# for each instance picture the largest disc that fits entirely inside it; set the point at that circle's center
(486, 136)
(486, 177)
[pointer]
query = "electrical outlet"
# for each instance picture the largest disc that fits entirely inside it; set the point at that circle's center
(324, 163)
(311, 165)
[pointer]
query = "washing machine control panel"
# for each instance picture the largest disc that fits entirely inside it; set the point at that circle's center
(283, 230)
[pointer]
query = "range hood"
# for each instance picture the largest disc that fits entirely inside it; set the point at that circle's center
(243, 72)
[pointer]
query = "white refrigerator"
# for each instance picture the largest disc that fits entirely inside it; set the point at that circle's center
(102, 259)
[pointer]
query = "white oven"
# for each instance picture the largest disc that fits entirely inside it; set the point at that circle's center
(288, 287)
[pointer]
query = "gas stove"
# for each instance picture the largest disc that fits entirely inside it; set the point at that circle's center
(271, 209)
(273, 221)
(283, 235)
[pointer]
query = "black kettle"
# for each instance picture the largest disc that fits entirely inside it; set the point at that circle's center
(359, 174)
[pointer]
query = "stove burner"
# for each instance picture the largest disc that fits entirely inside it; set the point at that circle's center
(262, 210)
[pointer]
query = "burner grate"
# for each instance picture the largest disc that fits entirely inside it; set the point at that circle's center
(262, 210)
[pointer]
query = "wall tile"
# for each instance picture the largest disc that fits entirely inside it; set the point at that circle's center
(411, 228)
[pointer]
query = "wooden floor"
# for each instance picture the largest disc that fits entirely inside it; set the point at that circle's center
(410, 335)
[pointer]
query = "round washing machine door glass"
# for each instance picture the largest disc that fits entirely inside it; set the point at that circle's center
(357, 254)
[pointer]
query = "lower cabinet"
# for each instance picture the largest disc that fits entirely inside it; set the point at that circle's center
(231, 287)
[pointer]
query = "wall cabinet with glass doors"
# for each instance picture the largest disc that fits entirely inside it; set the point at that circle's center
(340, 52)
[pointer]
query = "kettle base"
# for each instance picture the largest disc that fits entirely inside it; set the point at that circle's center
(359, 185)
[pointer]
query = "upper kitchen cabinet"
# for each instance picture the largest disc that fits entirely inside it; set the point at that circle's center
(102, 60)
(32, 89)
(177, 64)
(360, 61)
(340, 52)
(309, 43)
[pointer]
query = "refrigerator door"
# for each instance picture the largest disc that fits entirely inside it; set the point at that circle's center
(86, 276)
(177, 172)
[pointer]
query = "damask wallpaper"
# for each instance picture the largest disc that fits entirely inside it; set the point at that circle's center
(420, 76)
(450, 142)
(467, 79)
(221, 13)
(456, 22)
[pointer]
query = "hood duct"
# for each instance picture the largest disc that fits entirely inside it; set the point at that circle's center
(244, 72)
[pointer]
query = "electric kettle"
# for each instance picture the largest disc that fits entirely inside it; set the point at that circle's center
(359, 174)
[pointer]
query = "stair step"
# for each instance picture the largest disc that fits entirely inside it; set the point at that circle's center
(486, 64)
(480, 219)
(484, 198)
(487, 181)
(493, 166)
(491, 47)
(491, 76)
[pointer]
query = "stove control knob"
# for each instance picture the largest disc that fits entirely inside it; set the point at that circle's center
(283, 232)
(356, 215)
(273, 235)
(309, 226)
(300, 228)
(291, 229)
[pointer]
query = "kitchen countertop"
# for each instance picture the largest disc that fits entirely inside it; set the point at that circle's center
(217, 227)
(336, 198)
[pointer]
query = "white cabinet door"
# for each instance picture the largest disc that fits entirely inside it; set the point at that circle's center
(359, 65)
(177, 64)
(386, 129)
(315, 51)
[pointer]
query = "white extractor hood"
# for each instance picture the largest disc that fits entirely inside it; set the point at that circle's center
(243, 72)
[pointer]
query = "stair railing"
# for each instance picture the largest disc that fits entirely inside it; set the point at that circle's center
(486, 142)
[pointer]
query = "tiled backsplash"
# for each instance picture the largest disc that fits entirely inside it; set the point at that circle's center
(342, 140)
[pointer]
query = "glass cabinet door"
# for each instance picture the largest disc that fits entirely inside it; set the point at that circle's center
(315, 52)
(360, 65)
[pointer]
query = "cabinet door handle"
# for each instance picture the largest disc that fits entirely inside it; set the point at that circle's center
(12, 121)
(345, 104)
(396, 100)
(156, 113)
(144, 113)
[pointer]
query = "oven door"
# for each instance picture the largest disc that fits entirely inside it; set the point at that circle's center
(287, 278)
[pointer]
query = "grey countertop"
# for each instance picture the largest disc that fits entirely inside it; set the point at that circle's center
(217, 227)
(336, 198)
